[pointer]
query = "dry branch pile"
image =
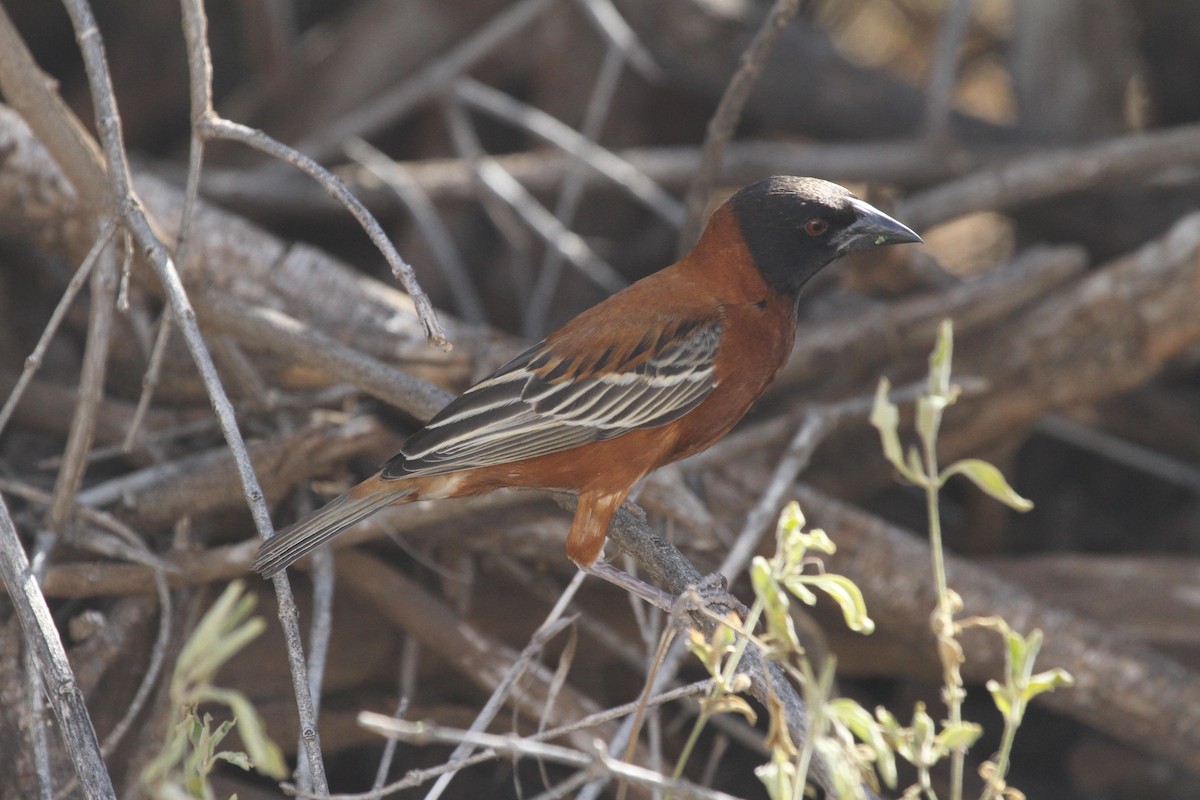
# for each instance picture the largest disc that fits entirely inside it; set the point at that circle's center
(526, 159)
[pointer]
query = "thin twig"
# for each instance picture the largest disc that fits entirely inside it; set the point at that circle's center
(416, 200)
(124, 199)
(206, 124)
(141, 555)
(322, 575)
(158, 655)
(565, 788)
(418, 777)
(430, 81)
(150, 380)
(900, 163)
(571, 193)
(42, 638)
(619, 645)
(500, 211)
(44, 543)
(1162, 466)
(241, 374)
(409, 655)
(613, 27)
(427, 733)
(401, 269)
(91, 392)
(939, 95)
(37, 725)
(34, 360)
(729, 110)
(600, 159)
(278, 333)
(34, 95)
(551, 626)
(1024, 180)
(505, 188)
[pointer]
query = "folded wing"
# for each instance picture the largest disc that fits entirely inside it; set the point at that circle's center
(545, 401)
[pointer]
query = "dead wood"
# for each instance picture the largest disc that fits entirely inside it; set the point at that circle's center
(1108, 347)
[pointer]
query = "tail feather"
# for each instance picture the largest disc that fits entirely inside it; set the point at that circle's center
(287, 546)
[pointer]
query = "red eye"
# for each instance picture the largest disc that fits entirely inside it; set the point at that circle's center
(816, 226)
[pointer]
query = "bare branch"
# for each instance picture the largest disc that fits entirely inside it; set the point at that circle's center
(432, 80)
(939, 95)
(414, 197)
(506, 189)
(1040, 176)
(427, 733)
(42, 638)
(34, 361)
(729, 111)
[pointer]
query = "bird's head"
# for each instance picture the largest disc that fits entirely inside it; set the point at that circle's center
(793, 227)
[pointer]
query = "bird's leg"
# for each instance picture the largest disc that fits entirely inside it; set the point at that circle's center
(630, 504)
(585, 544)
(651, 594)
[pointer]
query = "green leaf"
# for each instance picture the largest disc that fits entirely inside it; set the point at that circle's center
(929, 417)
(217, 736)
(208, 629)
(860, 723)
(847, 779)
(818, 540)
(958, 735)
(1000, 696)
(1021, 653)
(885, 416)
(197, 729)
(779, 621)
(791, 518)
(777, 776)
(898, 737)
(266, 755)
(230, 642)
(210, 644)
(1048, 681)
(848, 597)
(932, 405)
(703, 651)
(916, 470)
(924, 729)
(939, 362)
(989, 479)
(237, 759)
(796, 585)
(173, 751)
(851, 714)
(761, 578)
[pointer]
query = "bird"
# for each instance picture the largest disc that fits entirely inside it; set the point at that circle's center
(657, 372)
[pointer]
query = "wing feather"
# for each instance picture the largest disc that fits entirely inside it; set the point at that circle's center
(540, 403)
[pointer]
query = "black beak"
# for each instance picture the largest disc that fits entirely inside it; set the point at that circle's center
(872, 229)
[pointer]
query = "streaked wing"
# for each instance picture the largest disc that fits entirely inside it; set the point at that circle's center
(543, 402)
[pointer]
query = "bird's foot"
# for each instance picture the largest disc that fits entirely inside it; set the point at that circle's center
(630, 505)
(710, 593)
